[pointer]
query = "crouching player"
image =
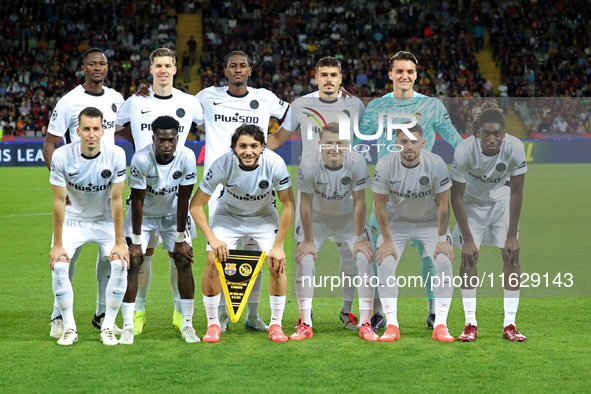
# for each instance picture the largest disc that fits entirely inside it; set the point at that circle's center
(332, 185)
(487, 212)
(411, 194)
(93, 176)
(245, 209)
(161, 178)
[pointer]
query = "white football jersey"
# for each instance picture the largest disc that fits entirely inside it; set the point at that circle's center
(485, 176)
(332, 188)
(162, 181)
(246, 193)
(310, 112)
(411, 191)
(64, 119)
(88, 180)
(140, 112)
(225, 112)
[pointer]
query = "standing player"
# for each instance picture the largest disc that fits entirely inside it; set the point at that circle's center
(158, 174)
(411, 201)
(245, 210)
(306, 116)
(63, 125)
(93, 176)
(487, 212)
(139, 112)
(433, 118)
(226, 108)
(332, 186)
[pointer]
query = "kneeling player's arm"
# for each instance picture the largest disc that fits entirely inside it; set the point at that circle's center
(117, 210)
(442, 212)
(359, 211)
(285, 196)
(515, 203)
(197, 203)
(306, 213)
(382, 215)
(137, 209)
(457, 202)
(59, 211)
(182, 209)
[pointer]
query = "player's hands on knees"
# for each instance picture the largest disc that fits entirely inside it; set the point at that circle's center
(120, 252)
(55, 254)
(304, 248)
(511, 250)
(385, 250)
(276, 259)
(445, 248)
(469, 254)
(184, 249)
(220, 249)
(363, 247)
(143, 90)
(135, 251)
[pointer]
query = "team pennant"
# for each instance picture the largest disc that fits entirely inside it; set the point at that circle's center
(238, 274)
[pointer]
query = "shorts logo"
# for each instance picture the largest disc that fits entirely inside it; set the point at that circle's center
(264, 184)
(254, 104)
(245, 269)
(424, 180)
(209, 175)
(346, 181)
(180, 112)
(374, 230)
(133, 171)
(106, 173)
(114, 107)
(501, 167)
(230, 269)
(419, 116)
(177, 175)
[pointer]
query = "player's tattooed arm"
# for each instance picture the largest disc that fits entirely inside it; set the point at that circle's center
(359, 212)
(442, 225)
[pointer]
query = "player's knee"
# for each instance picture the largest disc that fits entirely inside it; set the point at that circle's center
(117, 268)
(135, 265)
(183, 264)
(61, 269)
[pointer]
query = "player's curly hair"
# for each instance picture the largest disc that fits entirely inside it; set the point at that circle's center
(248, 129)
(328, 61)
(165, 123)
(233, 53)
(403, 55)
(490, 113)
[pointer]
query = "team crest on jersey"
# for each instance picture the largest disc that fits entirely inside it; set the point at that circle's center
(254, 104)
(346, 180)
(106, 173)
(501, 167)
(230, 269)
(114, 107)
(424, 180)
(264, 184)
(419, 116)
(133, 171)
(177, 175)
(180, 112)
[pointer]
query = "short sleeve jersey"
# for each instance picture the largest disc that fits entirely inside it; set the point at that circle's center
(140, 112)
(88, 180)
(64, 119)
(246, 193)
(430, 113)
(225, 112)
(311, 112)
(332, 188)
(411, 191)
(162, 181)
(485, 176)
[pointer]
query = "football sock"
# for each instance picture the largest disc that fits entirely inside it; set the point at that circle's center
(174, 284)
(389, 291)
(211, 308)
(365, 291)
(428, 271)
(511, 301)
(127, 309)
(469, 302)
(348, 269)
(444, 290)
(277, 307)
(103, 271)
(305, 305)
(187, 307)
(114, 294)
(71, 269)
(365, 310)
(64, 294)
(143, 283)
(305, 288)
(252, 305)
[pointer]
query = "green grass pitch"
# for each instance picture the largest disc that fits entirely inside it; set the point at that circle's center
(553, 234)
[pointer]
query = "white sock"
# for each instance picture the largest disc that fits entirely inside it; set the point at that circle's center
(365, 291)
(365, 305)
(277, 307)
(174, 284)
(127, 309)
(71, 269)
(114, 294)
(388, 289)
(252, 305)
(305, 306)
(143, 283)
(469, 302)
(187, 306)
(64, 294)
(103, 272)
(348, 270)
(211, 304)
(390, 306)
(443, 288)
(511, 301)
(305, 288)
